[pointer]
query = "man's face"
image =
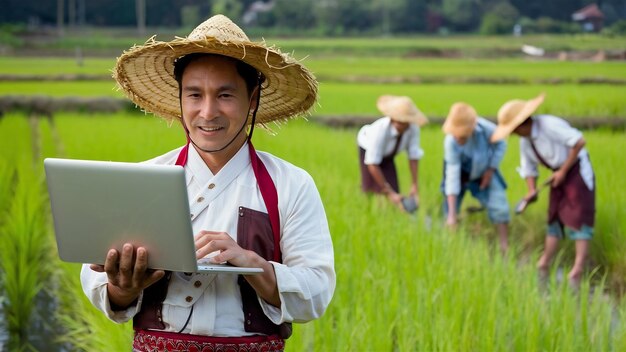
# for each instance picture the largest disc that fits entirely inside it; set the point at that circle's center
(400, 126)
(461, 140)
(524, 129)
(215, 103)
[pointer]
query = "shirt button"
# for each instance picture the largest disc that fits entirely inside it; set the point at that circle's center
(197, 284)
(212, 185)
(188, 298)
(200, 199)
(248, 322)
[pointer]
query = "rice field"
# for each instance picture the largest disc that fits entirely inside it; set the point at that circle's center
(403, 282)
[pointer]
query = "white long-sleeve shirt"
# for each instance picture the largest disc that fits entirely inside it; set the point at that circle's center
(379, 138)
(305, 278)
(554, 138)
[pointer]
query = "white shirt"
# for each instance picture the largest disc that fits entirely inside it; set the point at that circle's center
(379, 138)
(305, 278)
(554, 138)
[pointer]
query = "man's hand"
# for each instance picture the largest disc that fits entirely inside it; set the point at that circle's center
(127, 274)
(486, 178)
(558, 177)
(229, 251)
(395, 198)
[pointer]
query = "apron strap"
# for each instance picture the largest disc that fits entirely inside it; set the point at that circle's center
(270, 197)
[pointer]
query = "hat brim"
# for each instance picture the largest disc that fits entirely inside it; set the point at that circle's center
(504, 130)
(417, 117)
(457, 131)
(146, 75)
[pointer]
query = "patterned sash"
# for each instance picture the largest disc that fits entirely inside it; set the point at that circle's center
(159, 341)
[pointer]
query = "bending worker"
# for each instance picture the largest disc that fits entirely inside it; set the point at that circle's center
(380, 141)
(471, 162)
(551, 141)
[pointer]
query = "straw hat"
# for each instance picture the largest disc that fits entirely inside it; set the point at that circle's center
(401, 109)
(145, 73)
(513, 113)
(461, 120)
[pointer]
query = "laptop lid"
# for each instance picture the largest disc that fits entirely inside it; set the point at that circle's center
(98, 205)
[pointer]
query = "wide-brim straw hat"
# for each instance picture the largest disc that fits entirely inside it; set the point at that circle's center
(513, 113)
(461, 120)
(145, 73)
(401, 109)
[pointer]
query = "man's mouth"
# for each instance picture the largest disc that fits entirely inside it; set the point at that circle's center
(209, 129)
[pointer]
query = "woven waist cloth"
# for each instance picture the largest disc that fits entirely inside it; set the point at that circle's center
(158, 341)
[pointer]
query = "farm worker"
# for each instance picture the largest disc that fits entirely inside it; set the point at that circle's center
(253, 208)
(550, 141)
(471, 162)
(380, 141)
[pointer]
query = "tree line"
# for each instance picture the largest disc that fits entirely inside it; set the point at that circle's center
(327, 17)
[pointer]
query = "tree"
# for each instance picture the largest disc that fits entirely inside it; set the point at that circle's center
(499, 19)
(462, 15)
(140, 10)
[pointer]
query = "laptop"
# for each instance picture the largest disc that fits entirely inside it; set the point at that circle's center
(98, 205)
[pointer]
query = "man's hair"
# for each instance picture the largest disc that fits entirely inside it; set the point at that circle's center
(250, 75)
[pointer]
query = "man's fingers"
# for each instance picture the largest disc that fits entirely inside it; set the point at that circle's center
(154, 277)
(140, 267)
(111, 266)
(97, 268)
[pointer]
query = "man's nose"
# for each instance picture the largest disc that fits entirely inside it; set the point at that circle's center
(208, 108)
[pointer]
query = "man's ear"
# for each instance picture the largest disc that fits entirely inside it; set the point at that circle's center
(254, 98)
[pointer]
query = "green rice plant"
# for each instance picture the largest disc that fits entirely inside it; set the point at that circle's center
(371, 69)
(403, 282)
(26, 254)
(55, 66)
(570, 101)
(61, 88)
(329, 69)
(86, 328)
(354, 99)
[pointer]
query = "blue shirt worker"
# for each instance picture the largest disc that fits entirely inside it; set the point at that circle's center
(380, 141)
(471, 162)
(551, 141)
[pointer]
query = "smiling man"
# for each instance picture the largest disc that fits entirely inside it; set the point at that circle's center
(252, 208)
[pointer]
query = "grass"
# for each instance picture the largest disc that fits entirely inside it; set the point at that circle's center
(25, 244)
(355, 99)
(98, 40)
(404, 283)
(355, 67)
(435, 99)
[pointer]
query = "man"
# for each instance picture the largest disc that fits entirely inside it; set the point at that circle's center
(471, 162)
(552, 142)
(253, 209)
(380, 141)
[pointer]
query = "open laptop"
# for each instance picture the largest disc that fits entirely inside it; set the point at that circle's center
(98, 205)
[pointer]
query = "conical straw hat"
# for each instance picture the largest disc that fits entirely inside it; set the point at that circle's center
(513, 113)
(461, 120)
(145, 73)
(401, 108)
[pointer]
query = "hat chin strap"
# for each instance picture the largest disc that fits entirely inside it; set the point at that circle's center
(256, 108)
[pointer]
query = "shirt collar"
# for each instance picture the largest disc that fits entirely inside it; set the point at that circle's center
(202, 174)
